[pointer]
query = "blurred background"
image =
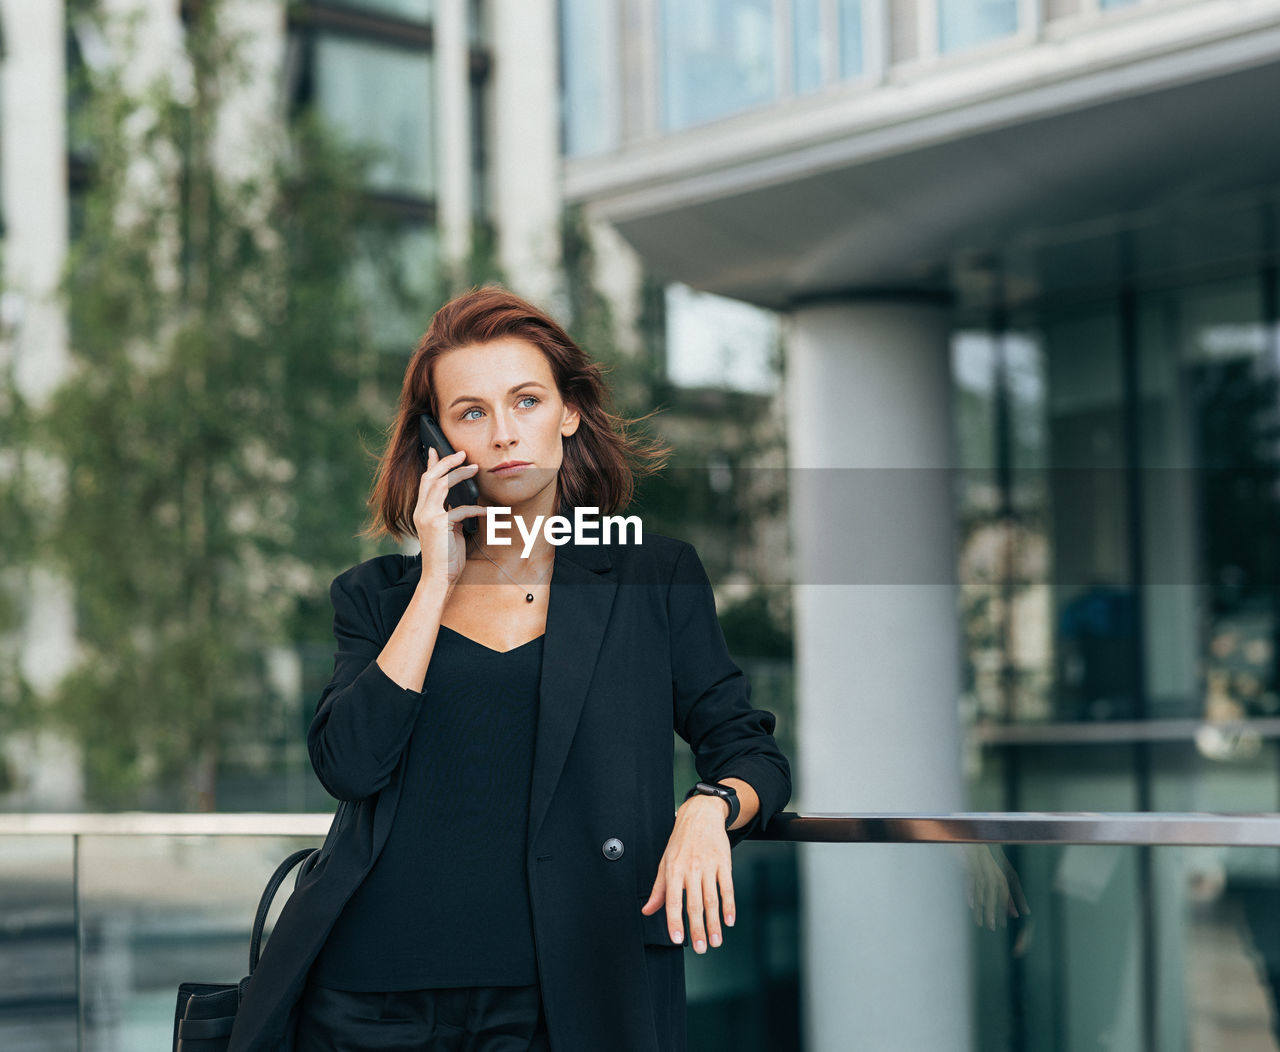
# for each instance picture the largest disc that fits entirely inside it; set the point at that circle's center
(963, 317)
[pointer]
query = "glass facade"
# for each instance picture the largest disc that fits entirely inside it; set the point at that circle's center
(1118, 437)
(806, 44)
(374, 83)
(717, 57)
(849, 14)
(1118, 492)
(589, 51)
(965, 23)
(379, 97)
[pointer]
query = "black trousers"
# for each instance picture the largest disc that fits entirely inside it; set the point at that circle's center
(461, 1019)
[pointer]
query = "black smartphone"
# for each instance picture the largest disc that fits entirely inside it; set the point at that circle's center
(430, 436)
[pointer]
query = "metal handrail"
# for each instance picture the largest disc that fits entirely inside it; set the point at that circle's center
(984, 827)
(1143, 828)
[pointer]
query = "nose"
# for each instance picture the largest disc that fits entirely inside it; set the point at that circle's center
(503, 429)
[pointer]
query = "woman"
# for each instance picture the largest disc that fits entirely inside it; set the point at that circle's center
(503, 873)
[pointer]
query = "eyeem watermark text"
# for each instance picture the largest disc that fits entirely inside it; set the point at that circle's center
(587, 527)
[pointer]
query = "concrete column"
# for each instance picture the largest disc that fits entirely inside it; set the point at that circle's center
(33, 127)
(453, 141)
(525, 141)
(884, 926)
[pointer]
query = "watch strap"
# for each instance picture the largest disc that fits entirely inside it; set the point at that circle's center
(725, 792)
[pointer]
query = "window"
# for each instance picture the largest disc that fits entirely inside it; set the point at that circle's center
(414, 10)
(588, 76)
(965, 23)
(717, 58)
(381, 98)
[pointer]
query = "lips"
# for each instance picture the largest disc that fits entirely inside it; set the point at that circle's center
(510, 467)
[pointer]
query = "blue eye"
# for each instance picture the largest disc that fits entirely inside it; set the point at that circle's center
(466, 416)
(531, 398)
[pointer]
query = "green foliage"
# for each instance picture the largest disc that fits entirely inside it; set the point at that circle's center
(17, 532)
(211, 431)
(752, 627)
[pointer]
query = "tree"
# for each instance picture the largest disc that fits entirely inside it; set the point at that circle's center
(17, 531)
(223, 376)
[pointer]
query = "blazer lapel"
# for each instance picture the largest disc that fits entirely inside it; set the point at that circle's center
(582, 593)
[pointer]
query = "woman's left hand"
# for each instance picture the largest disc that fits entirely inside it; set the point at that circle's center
(696, 867)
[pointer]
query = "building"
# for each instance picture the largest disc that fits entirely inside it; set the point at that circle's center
(1026, 251)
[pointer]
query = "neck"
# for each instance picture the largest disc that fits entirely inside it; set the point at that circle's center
(533, 514)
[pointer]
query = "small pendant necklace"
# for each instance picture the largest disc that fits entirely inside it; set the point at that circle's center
(528, 595)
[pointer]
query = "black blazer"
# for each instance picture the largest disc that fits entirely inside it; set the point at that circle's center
(632, 649)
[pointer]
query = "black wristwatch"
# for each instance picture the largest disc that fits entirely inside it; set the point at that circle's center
(726, 793)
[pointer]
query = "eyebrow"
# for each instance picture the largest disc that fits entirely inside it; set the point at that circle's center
(477, 398)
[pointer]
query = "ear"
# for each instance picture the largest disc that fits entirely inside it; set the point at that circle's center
(569, 421)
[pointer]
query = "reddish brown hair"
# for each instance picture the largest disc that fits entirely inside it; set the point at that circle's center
(601, 458)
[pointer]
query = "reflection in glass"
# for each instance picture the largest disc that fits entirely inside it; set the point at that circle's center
(1229, 374)
(1003, 507)
(380, 97)
(717, 58)
(1084, 977)
(964, 23)
(993, 890)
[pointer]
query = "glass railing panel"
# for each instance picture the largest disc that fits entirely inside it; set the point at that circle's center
(37, 944)
(158, 910)
(744, 995)
(866, 944)
(1002, 948)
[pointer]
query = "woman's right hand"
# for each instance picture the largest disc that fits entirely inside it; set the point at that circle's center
(444, 550)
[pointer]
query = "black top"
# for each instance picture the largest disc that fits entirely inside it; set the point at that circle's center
(447, 901)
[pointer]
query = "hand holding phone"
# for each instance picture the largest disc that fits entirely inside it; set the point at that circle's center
(430, 436)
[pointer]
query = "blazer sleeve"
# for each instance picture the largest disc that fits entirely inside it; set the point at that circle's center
(712, 699)
(364, 718)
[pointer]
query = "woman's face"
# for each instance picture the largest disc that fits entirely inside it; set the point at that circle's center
(498, 401)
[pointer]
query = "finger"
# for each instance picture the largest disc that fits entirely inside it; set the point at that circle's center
(466, 511)
(711, 906)
(1016, 886)
(675, 926)
(693, 905)
(727, 904)
(439, 466)
(459, 473)
(444, 471)
(656, 896)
